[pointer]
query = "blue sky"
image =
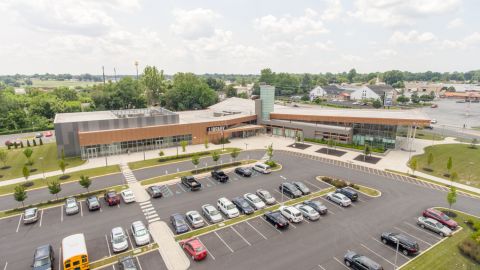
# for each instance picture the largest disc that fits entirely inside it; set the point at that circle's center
(230, 36)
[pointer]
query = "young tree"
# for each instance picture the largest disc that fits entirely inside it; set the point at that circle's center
(28, 154)
(85, 182)
(473, 144)
(25, 172)
(20, 194)
(34, 142)
(366, 151)
(54, 188)
(413, 165)
(234, 154)
(62, 165)
(206, 143)
(41, 142)
(3, 157)
(270, 152)
(453, 177)
(62, 155)
(195, 160)
(28, 143)
(430, 160)
(161, 153)
(330, 144)
(215, 156)
(449, 164)
(452, 197)
(184, 144)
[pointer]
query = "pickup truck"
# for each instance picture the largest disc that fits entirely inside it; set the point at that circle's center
(191, 183)
(220, 176)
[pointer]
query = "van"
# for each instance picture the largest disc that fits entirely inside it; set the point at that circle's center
(225, 206)
(262, 168)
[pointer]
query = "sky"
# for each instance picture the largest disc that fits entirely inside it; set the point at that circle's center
(232, 36)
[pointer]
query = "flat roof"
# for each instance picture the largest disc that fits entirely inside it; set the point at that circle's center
(84, 116)
(230, 108)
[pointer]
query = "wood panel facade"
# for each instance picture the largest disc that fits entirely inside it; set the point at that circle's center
(350, 119)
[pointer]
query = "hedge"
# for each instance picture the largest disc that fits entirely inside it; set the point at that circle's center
(345, 145)
(338, 183)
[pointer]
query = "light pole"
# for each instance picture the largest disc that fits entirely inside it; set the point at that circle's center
(43, 169)
(246, 146)
(285, 179)
(136, 66)
(396, 252)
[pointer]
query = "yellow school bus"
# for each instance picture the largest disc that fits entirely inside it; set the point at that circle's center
(74, 253)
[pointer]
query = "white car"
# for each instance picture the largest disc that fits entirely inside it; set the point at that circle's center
(291, 213)
(118, 238)
(211, 213)
(339, 198)
(227, 207)
(128, 196)
(140, 233)
(262, 168)
(71, 206)
(308, 212)
(194, 218)
(254, 201)
(266, 196)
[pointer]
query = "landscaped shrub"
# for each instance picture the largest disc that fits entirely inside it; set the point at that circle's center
(168, 158)
(338, 183)
(216, 167)
(345, 145)
(470, 248)
(222, 141)
(271, 163)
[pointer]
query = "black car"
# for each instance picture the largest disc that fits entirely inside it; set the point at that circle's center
(127, 263)
(93, 203)
(246, 172)
(406, 245)
(357, 261)
(220, 176)
(243, 205)
(301, 186)
(43, 258)
(276, 219)
(155, 191)
(318, 206)
(179, 223)
(349, 192)
(290, 190)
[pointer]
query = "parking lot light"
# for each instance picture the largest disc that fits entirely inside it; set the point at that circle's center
(284, 179)
(396, 254)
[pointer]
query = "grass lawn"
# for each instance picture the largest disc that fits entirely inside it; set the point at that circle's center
(54, 83)
(16, 160)
(369, 191)
(424, 135)
(446, 255)
(466, 162)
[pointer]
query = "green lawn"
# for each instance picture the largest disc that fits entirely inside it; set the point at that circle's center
(16, 161)
(446, 255)
(466, 162)
(424, 135)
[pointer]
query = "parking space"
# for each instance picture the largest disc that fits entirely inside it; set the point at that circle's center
(151, 260)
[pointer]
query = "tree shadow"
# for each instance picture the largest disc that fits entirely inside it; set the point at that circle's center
(5, 167)
(64, 177)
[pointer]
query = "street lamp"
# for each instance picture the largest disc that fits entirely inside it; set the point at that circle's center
(246, 146)
(43, 169)
(285, 179)
(396, 252)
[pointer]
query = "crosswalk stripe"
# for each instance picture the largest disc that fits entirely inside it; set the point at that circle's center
(149, 208)
(146, 202)
(153, 219)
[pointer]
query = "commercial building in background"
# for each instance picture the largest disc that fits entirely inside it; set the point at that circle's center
(94, 134)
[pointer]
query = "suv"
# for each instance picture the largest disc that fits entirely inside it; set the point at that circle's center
(92, 203)
(112, 198)
(350, 193)
(262, 168)
(220, 176)
(357, 261)
(291, 213)
(440, 217)
(43, 258)
(405, 244)
(71, 206)
(290, 190)
(302, 187)
(227, 207)
(243, 205)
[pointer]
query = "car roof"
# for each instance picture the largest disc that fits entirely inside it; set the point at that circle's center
(193, 213)
(42, 251)
(137, 224)
(117, 230)
(30, 210)
(194, 242)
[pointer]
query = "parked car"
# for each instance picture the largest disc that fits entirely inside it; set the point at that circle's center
(179, 223)
(191, 183)
(43, 258)
(262, 168)
(195, 220)
(357, 261)
(291, 213)
(243, 171)
(276, 219)
(48, 134)
(308, 212)
(211, 213)
(254, 201)
(243, 205)
(71, 206)
(318, 206)
(440, 217)
(128, 196)
(155, 191)
(406, 245)
(220, 176)
(290, 190)
(339, 198)
(302, 187)
(38, 135)
(434, 226)
(195, 249)
(433, 121)
(140, 233)
(349, 192)
(93, 203)
(119, 240)
(227, 207)
(127, 263)
(266, 196)
(30, 215)
(111, 198)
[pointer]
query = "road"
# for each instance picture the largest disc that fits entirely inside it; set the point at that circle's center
(24, 136)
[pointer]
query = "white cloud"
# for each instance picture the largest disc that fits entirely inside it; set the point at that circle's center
(194, 24)
(401, 12)
(324, 46)
(455, 23)
(411, 37)
(386, 53)
(332, 11)
(352, 58)
(467, 42)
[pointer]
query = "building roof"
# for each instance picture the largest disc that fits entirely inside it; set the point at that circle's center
(229, 108)
(380, 89)
(83, 116)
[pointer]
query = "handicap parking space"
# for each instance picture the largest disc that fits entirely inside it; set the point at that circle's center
(151, 260)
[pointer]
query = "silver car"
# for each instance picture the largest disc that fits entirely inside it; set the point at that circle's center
(71, 206)
(308, 212)
(194, 218)
(434, 226)
(30, 215)
(339, 199)
(118, 238)
(266, 196)
(211, 213)
(140, 233)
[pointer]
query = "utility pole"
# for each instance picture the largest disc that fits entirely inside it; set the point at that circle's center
(115, 74)
(103, 72)
(136, 66)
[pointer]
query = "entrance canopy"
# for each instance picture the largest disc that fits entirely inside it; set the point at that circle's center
(236, 129)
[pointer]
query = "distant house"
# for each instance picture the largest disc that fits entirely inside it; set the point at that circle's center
(328, 91)
(19, 91)
(382, 92)
(248, 89)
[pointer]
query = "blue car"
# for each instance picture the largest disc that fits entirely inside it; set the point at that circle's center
(179, 223)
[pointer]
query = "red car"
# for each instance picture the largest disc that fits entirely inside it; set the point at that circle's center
(195, 249)
(47, 134)
(112, 198)
(440, 217)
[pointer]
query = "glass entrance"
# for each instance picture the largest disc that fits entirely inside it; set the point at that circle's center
(92, 153)
(158, 144)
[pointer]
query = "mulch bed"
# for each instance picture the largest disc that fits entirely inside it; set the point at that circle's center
(300, 146)
(332, 152)
(368, 159)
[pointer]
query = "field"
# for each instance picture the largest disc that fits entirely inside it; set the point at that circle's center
(16, 161)
(54, 84)
(465, 160)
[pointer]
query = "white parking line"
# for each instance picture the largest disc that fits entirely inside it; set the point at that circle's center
(61, 213)
(270, 224)
(241, 236)
(81, 209)
(209, 253)
(377, 254)
(108, 246)
(313, 184)
(41, 218)
(429, 244)
(129, 239)
(264, 237)
(6, 264)
(118, 205)
(321, 267)
(332, 203)
(225, 243)
(306, 219)
(341, 263)
(210, 180)
(180, 186)
(139, 264)
(19, 220)
(399, 253)
(291, 224)
(284, 196)
(60, 256)
(423, 230)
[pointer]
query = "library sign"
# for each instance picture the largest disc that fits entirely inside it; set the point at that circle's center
(216, 128)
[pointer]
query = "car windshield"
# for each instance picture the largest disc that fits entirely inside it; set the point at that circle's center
(41, 262)
(128, 193)
(243, 203)
(297, 214)
(445, 217)
(196, 218)
(93, 201)
(213, 212)
(179, 221)
(230, 206)
(119, 238)
(112, 194)
(71, 204)
(439, 225)
(141, 232)
(199, 249)
(267, 195)
(29, 214)
(255, 199)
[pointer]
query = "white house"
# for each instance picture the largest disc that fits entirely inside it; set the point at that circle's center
(363, 93)
(317, 92)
